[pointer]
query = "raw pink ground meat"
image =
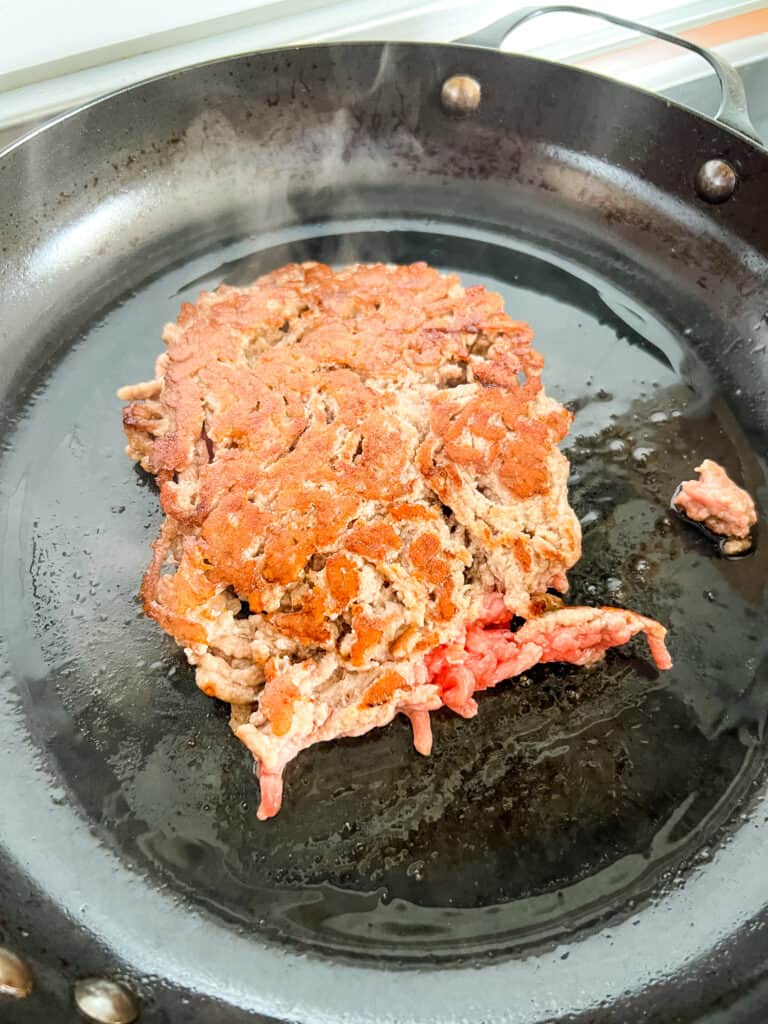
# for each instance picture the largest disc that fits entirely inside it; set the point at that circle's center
(717, 502)
(491, 653)
(271, 785)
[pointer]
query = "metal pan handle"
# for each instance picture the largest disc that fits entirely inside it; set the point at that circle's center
(733, 112)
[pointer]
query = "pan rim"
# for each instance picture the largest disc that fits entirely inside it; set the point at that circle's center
(352, 45)
(299, 985)
(465, 993)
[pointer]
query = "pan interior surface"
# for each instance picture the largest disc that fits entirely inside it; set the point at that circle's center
(572, 795)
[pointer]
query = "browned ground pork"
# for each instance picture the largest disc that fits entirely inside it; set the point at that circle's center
(362, 486)
(716, 502)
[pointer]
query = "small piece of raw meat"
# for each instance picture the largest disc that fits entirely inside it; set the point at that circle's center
(716, 502)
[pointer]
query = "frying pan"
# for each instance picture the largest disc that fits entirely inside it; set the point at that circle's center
(592, 846)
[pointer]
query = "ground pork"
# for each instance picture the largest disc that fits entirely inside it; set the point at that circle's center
(716, 502)
(362, 486)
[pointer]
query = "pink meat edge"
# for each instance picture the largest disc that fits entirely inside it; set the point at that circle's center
(422, 731)
(492, 655)
(458, 682)
(658, 648)
(271, 785)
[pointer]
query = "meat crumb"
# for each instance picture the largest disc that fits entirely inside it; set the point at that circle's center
(718, 504)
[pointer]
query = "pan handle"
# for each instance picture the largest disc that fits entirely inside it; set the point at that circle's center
(733, 112)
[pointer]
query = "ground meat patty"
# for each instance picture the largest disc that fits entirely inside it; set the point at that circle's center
(354, 466)
(716, 502)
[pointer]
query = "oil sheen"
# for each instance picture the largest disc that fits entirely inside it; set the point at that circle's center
(572, 794)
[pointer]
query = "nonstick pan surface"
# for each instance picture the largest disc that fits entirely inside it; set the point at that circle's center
(590, 847)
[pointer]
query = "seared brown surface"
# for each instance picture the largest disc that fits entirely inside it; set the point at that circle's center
(353, 466)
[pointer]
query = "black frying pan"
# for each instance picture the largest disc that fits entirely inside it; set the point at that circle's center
(592, 847)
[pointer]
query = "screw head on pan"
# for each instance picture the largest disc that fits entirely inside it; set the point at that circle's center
(461, 94)
(15, 975)
(716, 181)
(105, 1002)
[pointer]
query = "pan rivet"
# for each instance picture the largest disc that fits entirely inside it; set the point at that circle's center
(105, 1002)
(716, 181)
(461, 94)
(15, 975)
